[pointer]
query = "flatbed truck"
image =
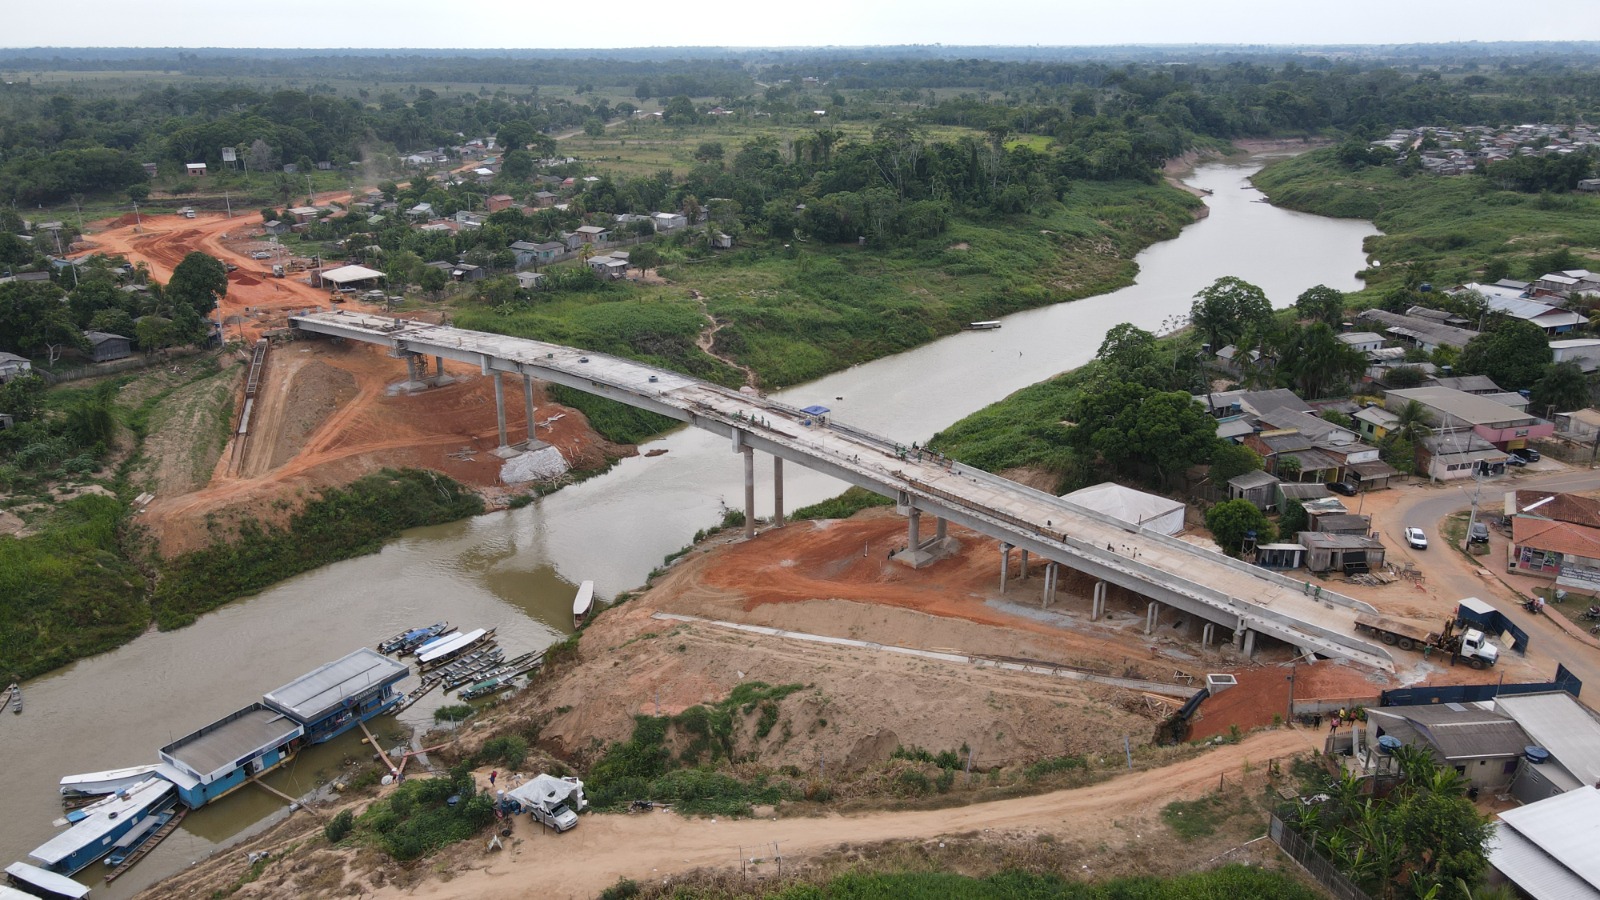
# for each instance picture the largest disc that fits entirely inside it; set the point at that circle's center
(1463, 644)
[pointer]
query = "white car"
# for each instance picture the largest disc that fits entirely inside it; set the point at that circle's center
(261, 254)
(1416, 539)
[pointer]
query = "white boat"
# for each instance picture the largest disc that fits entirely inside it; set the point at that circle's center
(93, 837)
(583, 604)
(110, 781)
(444, 648)
(987, 325)
(45, 883)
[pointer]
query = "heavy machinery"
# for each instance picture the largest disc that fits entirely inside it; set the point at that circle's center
(1456, 638)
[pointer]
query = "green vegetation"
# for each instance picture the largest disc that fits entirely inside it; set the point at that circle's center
(1195, 819)
(847, 504)
(420, 817)
(340, 826)
(643, 767)
(1444, 230)
(1234, 882)
(1422, 836)
(68, 592)
(614, 421)
(454, 712)
(339, 524)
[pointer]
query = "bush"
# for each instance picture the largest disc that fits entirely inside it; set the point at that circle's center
(455, 712)
(507, 750)
(341, 825)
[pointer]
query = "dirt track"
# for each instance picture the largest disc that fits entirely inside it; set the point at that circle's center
(603, 849)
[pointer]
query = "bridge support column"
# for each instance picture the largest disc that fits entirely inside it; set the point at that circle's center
(527, 399)
(1208, 634)
(1249, 642)
(440, 378)
(1051, 573)
(1097, 606)
(1005, 564)
(939, 528)
(1023, 574)
(1151, 614)
(913, 529)
(504, 450)
(777, 491)
(749, 491)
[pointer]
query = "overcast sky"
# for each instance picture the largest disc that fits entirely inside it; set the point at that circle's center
(763, 23)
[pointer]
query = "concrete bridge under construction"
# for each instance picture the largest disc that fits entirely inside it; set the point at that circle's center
(1227, 593)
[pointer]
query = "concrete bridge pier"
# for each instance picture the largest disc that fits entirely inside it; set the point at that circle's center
(1023, 575)
(527, 399)
(1208, 634)
(749, 491)
(1005, 564)
(1051, 574)
(939, 529)
(1244, 640)
(505, 449)
(440, 379)
(1097, 607)
(1151, 614)
(777, 491)
(920, 552)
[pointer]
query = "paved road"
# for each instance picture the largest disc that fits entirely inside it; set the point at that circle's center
(1453, 575)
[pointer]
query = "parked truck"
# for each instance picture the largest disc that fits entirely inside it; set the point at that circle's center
(551, 801)
(1462, 642)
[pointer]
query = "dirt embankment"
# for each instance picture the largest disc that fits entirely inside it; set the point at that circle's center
(859, 703)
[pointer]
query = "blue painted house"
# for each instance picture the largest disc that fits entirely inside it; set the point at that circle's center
(329, 700)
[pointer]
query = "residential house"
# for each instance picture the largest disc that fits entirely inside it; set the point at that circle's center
(528, 253)
(608, 267)
(1232, 360)
(468, 219)
(593, 234)
(1374, 422)
(1501, 425)
(468, 272)
(1423, 333)
(13, 366)
(1552, 319)
(1259, 487)
(104, 347)
(1461, 453)
(720, 241)
(1546, 849)
(499, 201)
(668, 221)
(1567, 733)
(1583, 351)
(1556, 535)
(1339, 522)
(529, 281)
(421, 211)
(1469, 384)
(1579, 424)
(303, 214)
(1364, 341)
(1306, 494)
(1349, 553)
(571, 240)
(544, 199)
(195, 170)
(1483, 746)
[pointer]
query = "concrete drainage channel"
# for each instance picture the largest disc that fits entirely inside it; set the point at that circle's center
(1181, 692)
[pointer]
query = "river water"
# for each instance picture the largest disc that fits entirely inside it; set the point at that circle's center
(516, 569)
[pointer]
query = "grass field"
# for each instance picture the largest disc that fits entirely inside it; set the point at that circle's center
(1454, 226)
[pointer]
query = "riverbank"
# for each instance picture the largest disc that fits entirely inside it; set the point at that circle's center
(834, 738)
(1451, 229)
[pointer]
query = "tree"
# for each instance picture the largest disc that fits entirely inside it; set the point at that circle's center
(1288, 468)
(1127, 349)
(433, 280)
(1317, 360)
(645, 257)
(679, 111)
(34, 320)
(1232, 521)
(23, 397)
(1167, 431)
(154, 333)
(1321, 304)
(1228, 308)
(1562, 387)
(1404, 377)
(138, 193)
(1294, 519)
(1231, 460)
(710, 152)
(518, 165)
(1514, 354)
(199, 282)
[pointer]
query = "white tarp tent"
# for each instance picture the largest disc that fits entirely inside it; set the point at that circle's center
(350, 275)
(1152, 511)
(546, 791)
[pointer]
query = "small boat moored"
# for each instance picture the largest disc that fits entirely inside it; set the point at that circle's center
(986, 325)
(43, 882)
(583, 604)
(111, 781)
(488, 686)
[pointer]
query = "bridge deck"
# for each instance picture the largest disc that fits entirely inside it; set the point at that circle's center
(1159, 566)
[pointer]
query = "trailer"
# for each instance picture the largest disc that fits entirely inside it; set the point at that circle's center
(1463, 644)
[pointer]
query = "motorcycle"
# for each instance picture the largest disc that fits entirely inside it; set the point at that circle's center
(1592, 614)
(1533, 606)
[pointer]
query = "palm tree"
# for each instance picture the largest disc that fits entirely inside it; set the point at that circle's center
(1411, 422)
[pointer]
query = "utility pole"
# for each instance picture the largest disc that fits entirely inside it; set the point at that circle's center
(229, 201)
(138, 224)
(1477, 475)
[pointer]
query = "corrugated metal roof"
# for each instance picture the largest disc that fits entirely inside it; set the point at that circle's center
(322, 690)
(1559, 724)
(1547, 848)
